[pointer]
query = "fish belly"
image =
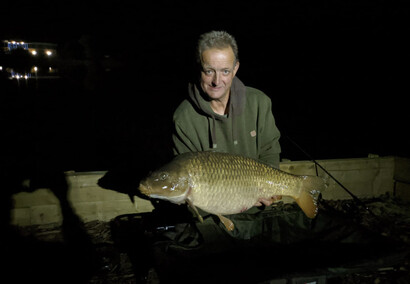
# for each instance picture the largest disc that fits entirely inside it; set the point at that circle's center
(223, 201)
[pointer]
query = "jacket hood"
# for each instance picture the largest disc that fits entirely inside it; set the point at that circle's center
(202, 103)
(236, 106)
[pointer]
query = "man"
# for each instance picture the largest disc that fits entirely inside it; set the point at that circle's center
(221, 113)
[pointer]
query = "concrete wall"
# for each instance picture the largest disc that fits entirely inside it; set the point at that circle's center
(402, 178)
(88, 200)
(364, 177)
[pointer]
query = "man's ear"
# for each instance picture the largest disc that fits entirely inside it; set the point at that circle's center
(235, 69)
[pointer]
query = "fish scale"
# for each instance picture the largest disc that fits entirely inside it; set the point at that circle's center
(230, 183)
(225, 184)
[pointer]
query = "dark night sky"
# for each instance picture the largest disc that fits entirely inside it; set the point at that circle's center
(336, 72)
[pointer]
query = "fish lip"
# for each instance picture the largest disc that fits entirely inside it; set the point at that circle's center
(145, 189)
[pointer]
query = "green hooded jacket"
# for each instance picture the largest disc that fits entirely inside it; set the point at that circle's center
(249, 128)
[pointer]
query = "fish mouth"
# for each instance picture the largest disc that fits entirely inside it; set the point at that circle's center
(177, 198)
(144, 189)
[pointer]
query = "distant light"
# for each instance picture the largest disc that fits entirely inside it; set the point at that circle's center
(49, 53)
(34, 52)
(26, 76)
(1, 68)
(35, 68)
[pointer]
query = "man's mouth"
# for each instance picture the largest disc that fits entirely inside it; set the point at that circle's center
(215, 88)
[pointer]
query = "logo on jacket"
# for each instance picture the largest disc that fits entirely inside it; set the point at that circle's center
(253, 133)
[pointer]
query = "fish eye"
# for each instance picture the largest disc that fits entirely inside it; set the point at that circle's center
(163, 176)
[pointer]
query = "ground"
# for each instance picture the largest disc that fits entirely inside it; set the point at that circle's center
(98, 256)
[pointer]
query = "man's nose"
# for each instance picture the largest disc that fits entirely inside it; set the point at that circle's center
(216, 79)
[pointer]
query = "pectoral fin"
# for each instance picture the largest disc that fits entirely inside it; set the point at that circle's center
(190, 204)
(228, 223)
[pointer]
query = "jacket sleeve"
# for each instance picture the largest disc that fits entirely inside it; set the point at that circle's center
(269, 147)
(181, 142)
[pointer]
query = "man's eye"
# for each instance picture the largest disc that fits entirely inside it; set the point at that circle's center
(226, 72)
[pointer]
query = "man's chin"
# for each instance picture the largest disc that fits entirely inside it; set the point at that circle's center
(215, 94)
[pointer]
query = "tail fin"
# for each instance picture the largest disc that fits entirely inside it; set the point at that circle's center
(312, 186)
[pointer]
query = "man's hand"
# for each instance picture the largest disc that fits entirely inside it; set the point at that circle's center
(268, 202)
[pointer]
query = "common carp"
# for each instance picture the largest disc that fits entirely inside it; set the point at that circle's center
(224, 184)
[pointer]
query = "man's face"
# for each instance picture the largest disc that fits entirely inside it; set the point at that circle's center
(218, 71)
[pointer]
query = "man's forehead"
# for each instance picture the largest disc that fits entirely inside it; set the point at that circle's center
(227, 51)
(218, 58)
(218, 65)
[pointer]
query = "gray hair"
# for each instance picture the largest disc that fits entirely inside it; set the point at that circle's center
(216, 39)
